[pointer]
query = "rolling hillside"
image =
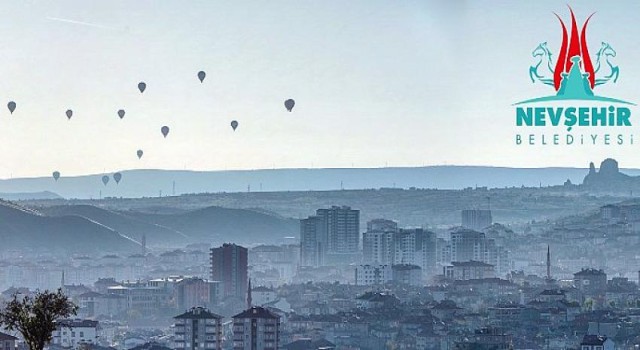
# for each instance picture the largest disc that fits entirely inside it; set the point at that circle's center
(27, 229)
(157, 235)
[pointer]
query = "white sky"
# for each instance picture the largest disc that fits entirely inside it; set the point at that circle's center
(398, 83)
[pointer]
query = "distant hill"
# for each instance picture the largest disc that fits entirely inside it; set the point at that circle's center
(151, 183)
(30, 230)
(218, 225)
(180, 228)
(21, 196)
(409, 207)
(156, 235)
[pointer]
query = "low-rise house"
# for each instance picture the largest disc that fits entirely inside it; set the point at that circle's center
(445, 310)
(75, 333)
(596, 342)
(371, 300)
(7, 342)
(486, 338)
(308, 344)
(262, 295)
(549, 295)
(93, 305)
(466, 270)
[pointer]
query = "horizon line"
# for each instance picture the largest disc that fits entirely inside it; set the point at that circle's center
(305, 168)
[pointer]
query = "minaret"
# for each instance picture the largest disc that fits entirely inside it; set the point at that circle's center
(249, 301)
(62, 280)
(548, 263)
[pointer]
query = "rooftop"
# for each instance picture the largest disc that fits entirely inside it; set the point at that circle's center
(256, 312)
(7, 337)
(593, 340)
(78, 323)
(198, 313)
(471, 263)
(308, 344)
(589, 272)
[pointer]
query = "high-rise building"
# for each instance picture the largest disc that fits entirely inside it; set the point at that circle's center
(415, 247)
(497, 256)
(313, 241)
(229, 266)
(476, 219)
(256, 328)
(444, 251)
(331, 236)
(343, 229)
(377, 242)
(198, 329)
(382, 225)
(467, 245)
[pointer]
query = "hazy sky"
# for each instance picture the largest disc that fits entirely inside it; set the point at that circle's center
(401, 83)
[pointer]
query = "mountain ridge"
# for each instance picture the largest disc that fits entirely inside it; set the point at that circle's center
(154, 182)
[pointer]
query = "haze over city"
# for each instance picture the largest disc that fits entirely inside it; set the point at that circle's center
(319, 175)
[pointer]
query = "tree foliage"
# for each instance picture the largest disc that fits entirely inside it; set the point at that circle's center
(35, 316)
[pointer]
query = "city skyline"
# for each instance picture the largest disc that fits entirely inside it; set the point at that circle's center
(319, 175)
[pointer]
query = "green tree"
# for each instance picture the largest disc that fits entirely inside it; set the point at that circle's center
(35, 316)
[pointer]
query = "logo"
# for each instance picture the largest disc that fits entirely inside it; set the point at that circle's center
(575, 76)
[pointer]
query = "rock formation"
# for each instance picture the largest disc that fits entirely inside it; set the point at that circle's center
(608, 176)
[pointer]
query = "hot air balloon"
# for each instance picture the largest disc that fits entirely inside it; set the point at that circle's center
(139, 153)
(289, 104)
(164, 130)
(105, 180)
(201, 75)
(69, 113)
(121, 113)
(12, 106)
(234, 125)
(56, 175)
(117, 177)
(142, 86)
